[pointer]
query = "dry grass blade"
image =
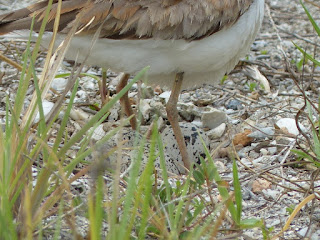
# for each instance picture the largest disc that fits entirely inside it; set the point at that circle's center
(294, 213)
(313, 3)
(9, 61)
(52, 63)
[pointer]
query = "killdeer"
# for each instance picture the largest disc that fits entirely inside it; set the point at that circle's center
(185, 42)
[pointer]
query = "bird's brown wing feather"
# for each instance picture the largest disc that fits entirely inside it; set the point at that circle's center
(134, 19)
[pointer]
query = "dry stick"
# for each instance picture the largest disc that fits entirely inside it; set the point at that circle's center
(312, 196)
(314, 4)
(262, 171)
(9, 61)
(291, 145)
(313, 179)
(293, 74)
(49, 70)
(299, 37)
(293, 214)
(73, 76)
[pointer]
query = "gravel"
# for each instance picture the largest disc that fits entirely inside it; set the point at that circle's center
(269, 154)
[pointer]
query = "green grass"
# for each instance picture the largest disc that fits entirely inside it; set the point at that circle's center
(312, 151)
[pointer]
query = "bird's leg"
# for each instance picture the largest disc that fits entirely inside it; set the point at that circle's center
(124, 100)
(173, 118)
(103, 88)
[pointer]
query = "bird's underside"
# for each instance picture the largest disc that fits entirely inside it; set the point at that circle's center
(134, 19)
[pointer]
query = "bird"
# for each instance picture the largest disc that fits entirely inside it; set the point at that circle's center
(185, 42)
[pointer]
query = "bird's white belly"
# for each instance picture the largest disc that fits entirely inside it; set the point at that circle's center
(202, 61)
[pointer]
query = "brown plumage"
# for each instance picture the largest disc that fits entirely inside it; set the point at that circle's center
(135, 19)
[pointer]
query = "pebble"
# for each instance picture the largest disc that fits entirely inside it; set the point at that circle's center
(165, 95)
(217, 132)
(253, 154)
(269, 193)
(79, 115)
(114, 112)
(213, 119)
(89, 84)
(262, 133)
(234, 104)
(246, 162)
(59, 84)
(188, 111)
(258, 45)
(275, 222)
(98, 133)
(290, 125)
(47, 106)
(158, 109)
(272, 150)
(145, 109)
(81, 96)
(264, 151)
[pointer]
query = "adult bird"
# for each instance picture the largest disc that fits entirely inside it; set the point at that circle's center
(185, 42)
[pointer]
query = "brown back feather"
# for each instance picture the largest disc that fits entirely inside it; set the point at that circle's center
(134, 19)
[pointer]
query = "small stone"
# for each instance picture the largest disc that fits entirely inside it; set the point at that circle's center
(47, 106)
(81, 96)
(165, 95)
(213, 119)
(114, 112)
(262, 133)
(157, 108)
(78, 115)
(98, 133)
(89, 84)
(272, 150)
(145, 109)
(234, 104)
(187, 111)
(246, 162)
(59, 84)
(271, 193)
(254, 154)
(246, 195)
(217, 132)
(275, 222)
(220, 166)
(264, 151)
(258, 45)
(302, 232)
(243, 151)
(290, 125)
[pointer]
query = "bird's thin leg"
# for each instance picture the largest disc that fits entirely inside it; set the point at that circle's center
(103, 88)
(173, 118)
(125, 103)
